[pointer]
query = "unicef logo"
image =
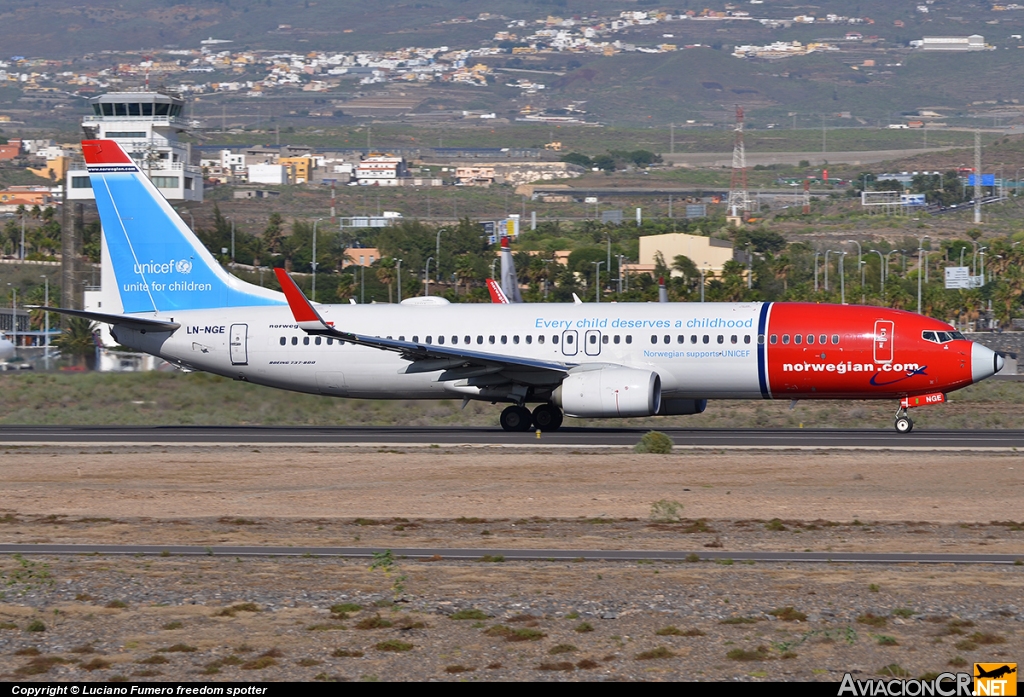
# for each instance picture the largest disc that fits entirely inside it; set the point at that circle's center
(184, 266)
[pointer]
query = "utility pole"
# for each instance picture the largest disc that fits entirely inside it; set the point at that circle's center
(399, 277)
(597, 280)
(315, 223)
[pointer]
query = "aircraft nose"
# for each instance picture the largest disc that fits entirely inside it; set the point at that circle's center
(984, 362)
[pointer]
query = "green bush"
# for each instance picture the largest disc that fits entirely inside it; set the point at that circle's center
(654, 442)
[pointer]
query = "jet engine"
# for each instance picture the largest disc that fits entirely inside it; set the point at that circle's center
(610, 392)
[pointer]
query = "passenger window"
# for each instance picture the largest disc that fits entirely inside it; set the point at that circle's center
(746, 338)
(415, 340)
(593, 338)
(490, 339)
(440, 339)
(480, 339)
(775, 338)
(721, 339)
(822, 339)
(733, 339)
(707, 339)
(529, 338)
(604, 339)
(654, 339)
(330, 341)
(760, 339)
(810, 338)
(318, 340)
(283, 341)
(568, 339)
(295, 340)
(430, 339)
(616, 338)
(540, 339)
(467, 339)
(680, 339)
(515, 338)
(798, 339)
(835, 338)
(504, 339)
(305, 341)
(693, 339)
(629, 338)
(668, 339)
(554, 338)
(400, 338)
(785, 338)
(455, 340)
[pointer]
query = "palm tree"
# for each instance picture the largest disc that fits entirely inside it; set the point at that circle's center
(465, 270)
(386, 273)
(78, 340)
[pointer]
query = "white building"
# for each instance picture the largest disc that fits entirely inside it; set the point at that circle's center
(146, 124)
(381, 170)
(974, 42)
(268, 174)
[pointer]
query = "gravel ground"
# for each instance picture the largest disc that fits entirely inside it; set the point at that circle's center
(212, 618)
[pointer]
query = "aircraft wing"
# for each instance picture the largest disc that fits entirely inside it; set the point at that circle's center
(127, 321)
(426, 357)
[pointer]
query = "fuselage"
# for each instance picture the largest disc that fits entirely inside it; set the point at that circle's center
(699, 350)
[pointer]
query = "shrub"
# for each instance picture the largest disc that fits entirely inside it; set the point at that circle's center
(654, 442)
(347, 653)
(393, 645)
(871, 619)
(35, 626)
(562, 648)
(660, 652)
(758, 654)
(340, 608)
(788, 614)
(665, 511)
(583, 627)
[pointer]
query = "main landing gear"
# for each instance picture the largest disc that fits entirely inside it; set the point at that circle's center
(546, 417)
(904, 424)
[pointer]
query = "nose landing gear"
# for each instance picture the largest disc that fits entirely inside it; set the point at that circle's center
(904, 424)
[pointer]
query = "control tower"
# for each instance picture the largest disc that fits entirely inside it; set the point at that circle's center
(146, 124)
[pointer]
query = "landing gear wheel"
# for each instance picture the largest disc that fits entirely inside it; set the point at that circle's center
(904, 424)
(547, 417)
(516, 419)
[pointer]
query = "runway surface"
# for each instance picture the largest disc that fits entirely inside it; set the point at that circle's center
(485, 554)
(995, 440)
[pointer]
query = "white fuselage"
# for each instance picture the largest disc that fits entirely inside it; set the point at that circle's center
(264, 345)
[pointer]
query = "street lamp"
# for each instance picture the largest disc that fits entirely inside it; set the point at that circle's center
(493, 263)
(920, 258)
(842, 279)
(22, 257)
(399, 277)
(14, 317)
(827, 252)
(816, 255)
(881, 272)
(437, 253)
(46, 321)
(859, 254)
(702, 281)
(597, 280)
(620, 272)
(315, 223)
(426, 277)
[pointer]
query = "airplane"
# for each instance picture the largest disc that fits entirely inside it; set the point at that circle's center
(607, 360)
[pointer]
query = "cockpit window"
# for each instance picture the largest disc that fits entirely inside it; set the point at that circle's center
(941, 337)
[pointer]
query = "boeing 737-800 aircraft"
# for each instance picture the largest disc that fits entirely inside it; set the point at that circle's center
(587, 360)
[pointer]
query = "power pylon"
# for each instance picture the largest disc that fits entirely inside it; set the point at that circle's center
(739, 199)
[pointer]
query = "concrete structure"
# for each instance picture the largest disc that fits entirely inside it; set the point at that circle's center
(11, 149)
(300, 168)
(360, 256)
(146, 124)
(475, 176)
(974, 42)
(707, 253)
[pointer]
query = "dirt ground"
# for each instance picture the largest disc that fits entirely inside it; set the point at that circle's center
(171, 618)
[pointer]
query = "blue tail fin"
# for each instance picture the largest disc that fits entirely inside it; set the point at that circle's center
(158, 263)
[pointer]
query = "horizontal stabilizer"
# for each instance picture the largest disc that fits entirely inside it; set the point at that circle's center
(127, 321)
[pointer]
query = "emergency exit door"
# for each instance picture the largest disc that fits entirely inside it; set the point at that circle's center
(884, 330)
(239, 349)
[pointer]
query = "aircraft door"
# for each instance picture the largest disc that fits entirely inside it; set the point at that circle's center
(239, 341)
(884, 331)
(592, 343)
(570, 342)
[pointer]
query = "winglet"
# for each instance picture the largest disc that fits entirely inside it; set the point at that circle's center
(305, 314)
(497, 294)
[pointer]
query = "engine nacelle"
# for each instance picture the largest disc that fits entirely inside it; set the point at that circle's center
(682, 407)
(610, 392)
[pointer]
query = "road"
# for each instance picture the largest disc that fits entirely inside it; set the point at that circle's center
(994, 440)
(463, 554)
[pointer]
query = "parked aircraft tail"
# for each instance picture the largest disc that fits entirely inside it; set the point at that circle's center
(158, 262)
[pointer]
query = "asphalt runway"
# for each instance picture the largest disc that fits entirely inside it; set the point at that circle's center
(485, 554)
(812, 439)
